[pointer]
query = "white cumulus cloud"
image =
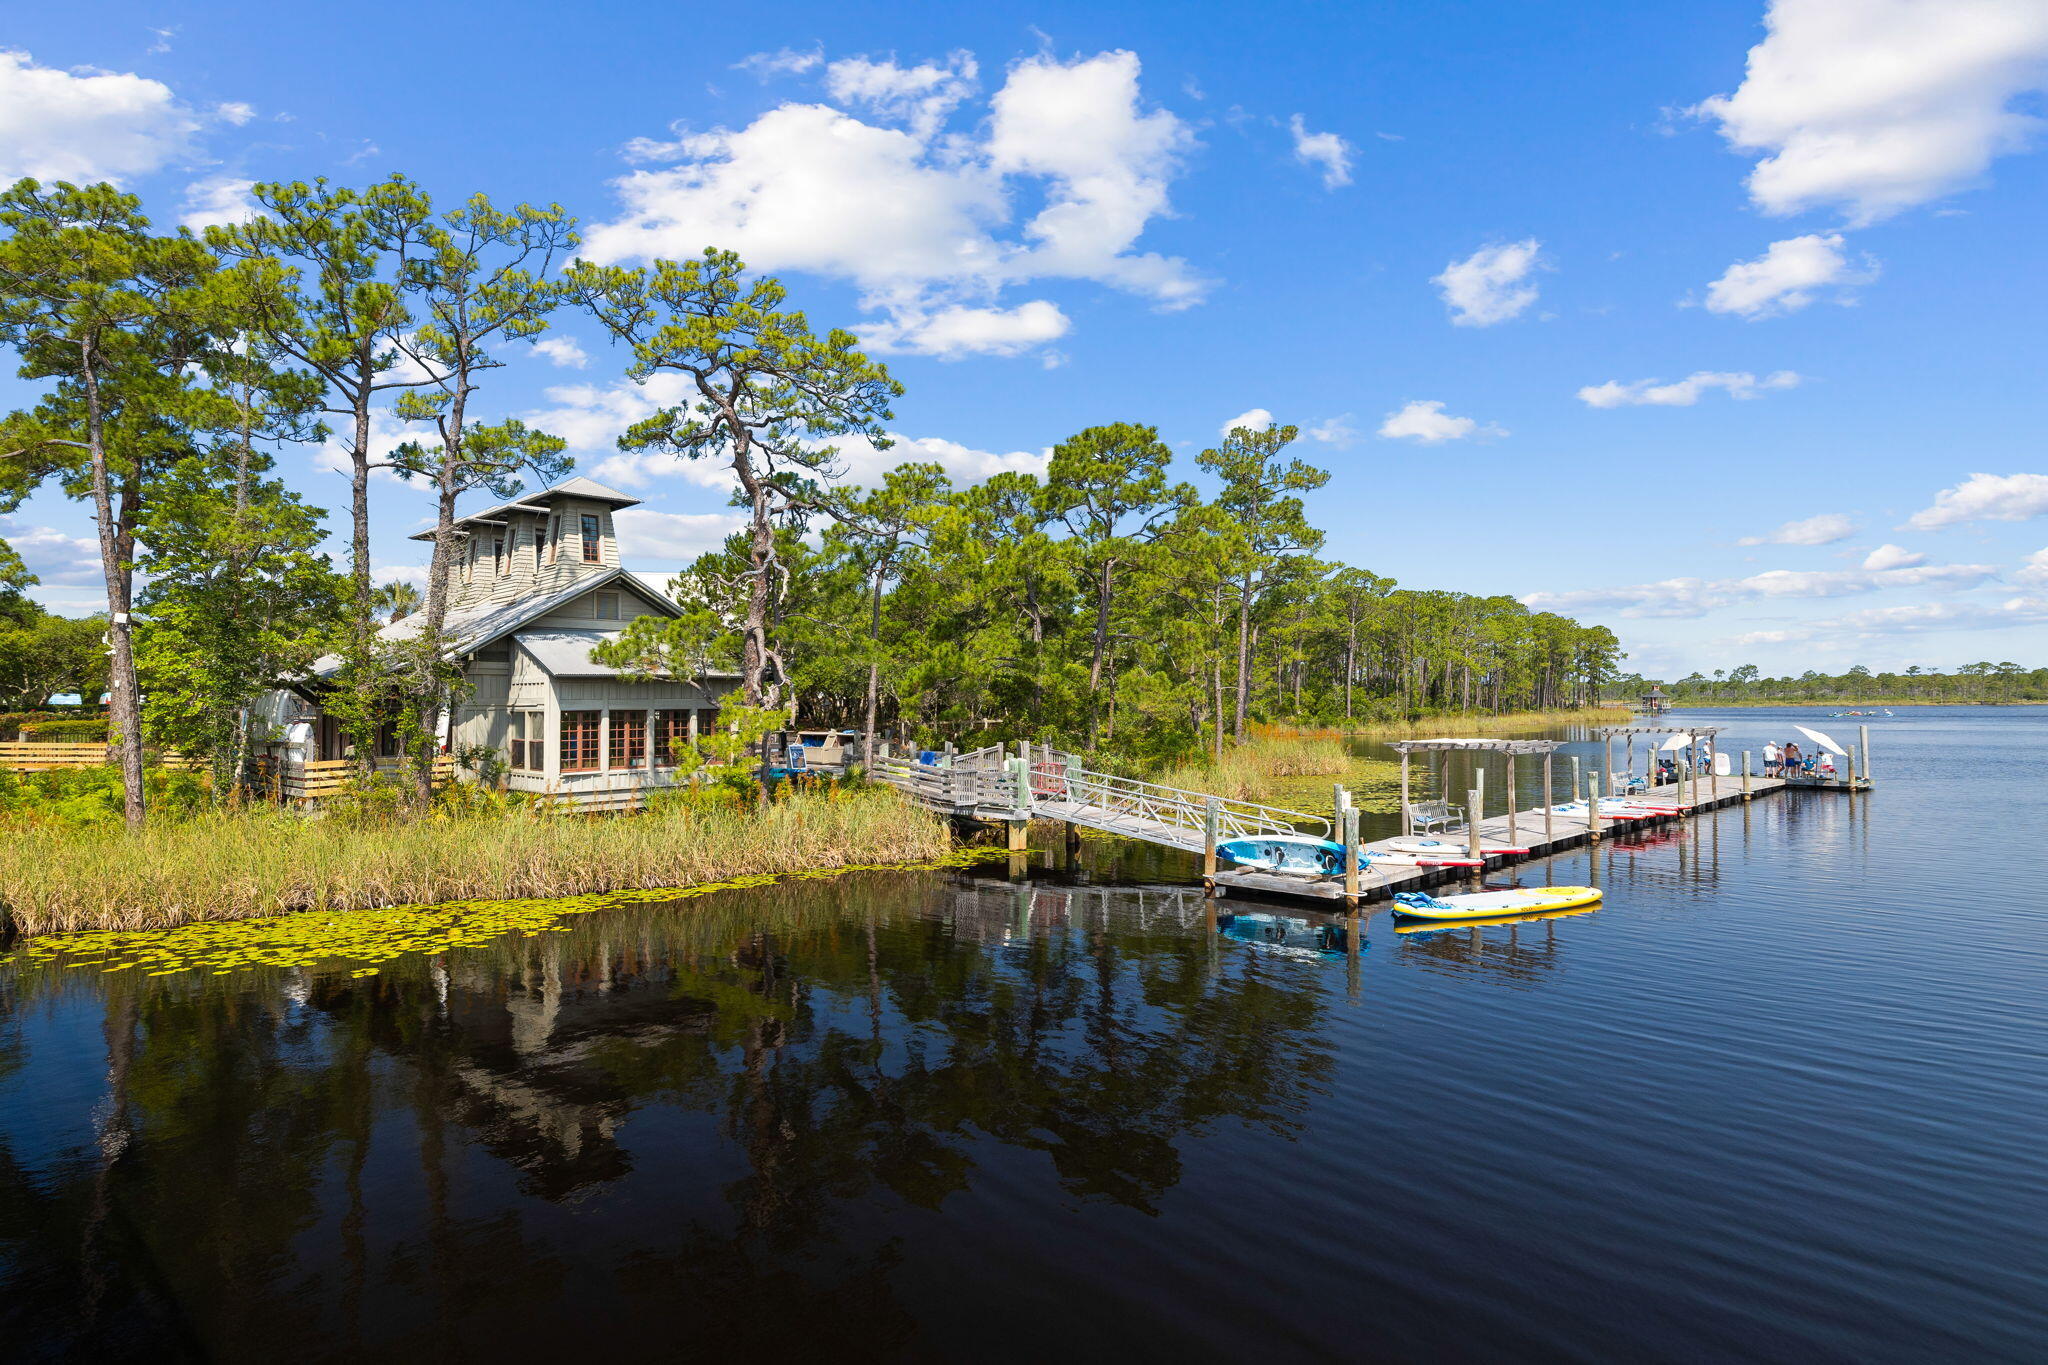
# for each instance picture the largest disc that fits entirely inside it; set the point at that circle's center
(922, 220)
(675, 537)
(591, 417)
(1425, 421)
(1879, 105)
(1683, 393)
(1893, 557)
(1985, 497)
(1492, 284)
(1329, 151)
(1338, 431)
(921, 96)
(958, 330)
(1786, 277)
(1689, 597)
(1251, 419)
(563, 351)
(2035, 570)
(218, 199)
(1825, 529)
(84, 125)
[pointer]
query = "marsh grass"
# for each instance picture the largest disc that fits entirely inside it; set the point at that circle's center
(1462, 724)
(1248, 772)
(259, 861)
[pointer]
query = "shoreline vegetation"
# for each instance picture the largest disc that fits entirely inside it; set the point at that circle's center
(65, 872)
(257, 862)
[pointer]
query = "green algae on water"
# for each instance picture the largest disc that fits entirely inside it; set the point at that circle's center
(370, 938)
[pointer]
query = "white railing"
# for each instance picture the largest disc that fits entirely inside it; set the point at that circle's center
(1127, 805)
(1061, 787)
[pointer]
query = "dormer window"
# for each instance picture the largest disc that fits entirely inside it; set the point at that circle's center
(593, 553)
(607, 606)
(498, 557)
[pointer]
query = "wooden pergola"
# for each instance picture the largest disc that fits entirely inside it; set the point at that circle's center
(1693, 734)
(1513, 748)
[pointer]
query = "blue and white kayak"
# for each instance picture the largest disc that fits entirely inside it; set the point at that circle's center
(1304, 856)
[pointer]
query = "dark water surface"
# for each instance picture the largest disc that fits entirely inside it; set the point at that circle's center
(1780, 1098)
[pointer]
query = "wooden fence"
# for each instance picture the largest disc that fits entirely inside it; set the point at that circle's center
(328, 777)
(28, 756)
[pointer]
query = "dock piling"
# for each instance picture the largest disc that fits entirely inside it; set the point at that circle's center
(1472, 814)
(1349, 833)
(1514, 831)
(1592, 809)
(1863, 743)
(1745, 775)
(1212, 819)
(1549, 800)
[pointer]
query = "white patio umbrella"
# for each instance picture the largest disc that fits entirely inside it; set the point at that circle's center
(1675, 743)
(1818, 738)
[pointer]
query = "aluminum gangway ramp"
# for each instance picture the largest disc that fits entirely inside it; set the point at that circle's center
(1042, 783)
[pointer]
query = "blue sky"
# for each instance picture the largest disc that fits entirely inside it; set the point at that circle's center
(1575, 300)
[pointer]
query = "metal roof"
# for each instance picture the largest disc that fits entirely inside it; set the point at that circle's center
(1499, 746)
(472, 628)
(590, 490)
(565, 653)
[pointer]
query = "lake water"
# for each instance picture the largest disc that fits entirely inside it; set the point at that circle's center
(1784, 1096)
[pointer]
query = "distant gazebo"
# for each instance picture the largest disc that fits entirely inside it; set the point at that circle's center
(1655, 703)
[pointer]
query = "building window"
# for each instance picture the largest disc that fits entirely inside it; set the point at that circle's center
(671, 736)
(707, 722)
(554, 538)
(592, 552)
(607, 606)
(579, 741)
(629, 739)
(497, 556)
(540, 535)
(527, 755)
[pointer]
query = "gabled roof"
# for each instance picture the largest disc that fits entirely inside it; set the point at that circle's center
(471, 628)
(566, 654)
(589, 490)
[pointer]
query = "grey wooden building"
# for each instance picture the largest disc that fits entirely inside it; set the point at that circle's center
(537, 584)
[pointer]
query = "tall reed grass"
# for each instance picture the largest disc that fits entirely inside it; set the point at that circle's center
(261, 861)
(1248, 772)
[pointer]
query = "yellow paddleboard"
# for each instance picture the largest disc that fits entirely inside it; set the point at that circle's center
(1521, 900)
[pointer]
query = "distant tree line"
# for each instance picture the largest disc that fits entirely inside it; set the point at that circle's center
(1977, 682)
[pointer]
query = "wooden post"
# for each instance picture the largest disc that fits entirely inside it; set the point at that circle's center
(1476, 799)
(1514, 834)
(1849, 759)
(1592, 810)
(1628, 760)
(1693, 767)
(1349, 834)
(1339, 801)
(1745, 775)
(1864, 745)
(1212, 818)
(1407, 821)
(1549, 799)
(1578, 782)
(1610, 765)
(1020, 813)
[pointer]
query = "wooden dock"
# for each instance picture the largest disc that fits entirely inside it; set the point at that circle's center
(991, 786)
(1529, 832)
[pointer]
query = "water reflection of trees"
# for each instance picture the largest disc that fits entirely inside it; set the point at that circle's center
(324, 1159)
